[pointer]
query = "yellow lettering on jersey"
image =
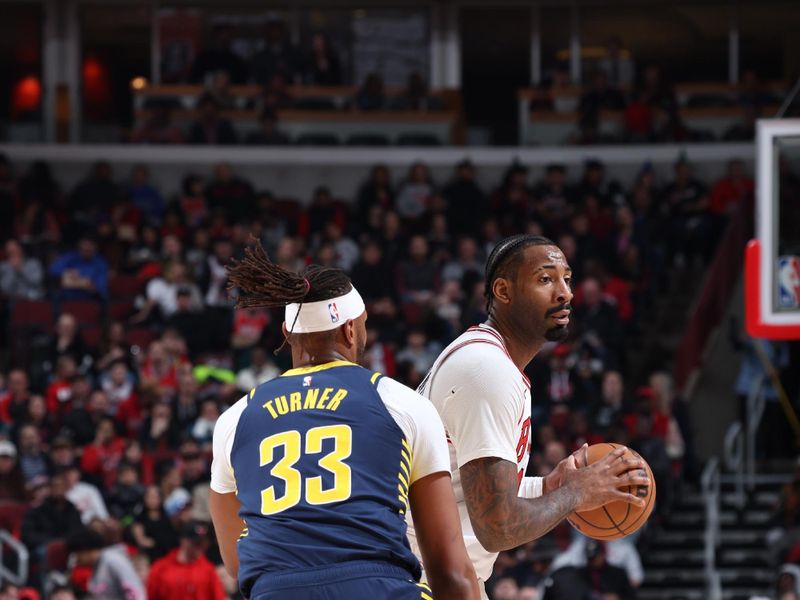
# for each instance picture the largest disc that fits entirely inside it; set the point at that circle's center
(329, 399)
(281, 405)
(311, 398)
(268, 406)
(337, 398)
(326, 394)
(294, 401)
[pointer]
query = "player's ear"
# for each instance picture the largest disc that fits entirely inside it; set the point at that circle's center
(284, 330)
(349, 332)
(501, 290)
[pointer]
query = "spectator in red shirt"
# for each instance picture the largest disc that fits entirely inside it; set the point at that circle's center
(731, 191)
(101, 458)
(186, 572)
(14, 401)
(59, 392)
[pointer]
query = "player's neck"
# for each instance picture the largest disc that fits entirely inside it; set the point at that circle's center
(520, 349)
(304, 358)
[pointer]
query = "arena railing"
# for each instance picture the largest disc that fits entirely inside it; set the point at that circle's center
(295, 172)
(20, 576)
(710, 488)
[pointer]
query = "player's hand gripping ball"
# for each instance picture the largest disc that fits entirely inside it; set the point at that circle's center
(616, 519)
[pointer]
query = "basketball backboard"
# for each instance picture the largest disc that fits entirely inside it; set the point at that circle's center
(772, 259)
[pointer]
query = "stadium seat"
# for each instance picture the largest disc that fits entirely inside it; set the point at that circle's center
(318, 139)
(418, 139)
(85, 311)
(56, 556)
(120, 310)
(368, 139)
(33, 314)
(412, 313)
(11, 514)
(92, 335)
(124, 287)
(140, 337)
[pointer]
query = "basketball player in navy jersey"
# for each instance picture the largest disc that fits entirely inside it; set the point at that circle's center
(479, 389)
(314, 471)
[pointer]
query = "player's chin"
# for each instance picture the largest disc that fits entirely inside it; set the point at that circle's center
(556, 334)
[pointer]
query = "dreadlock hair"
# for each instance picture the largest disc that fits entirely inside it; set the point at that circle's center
(262, 283)
(505, 259)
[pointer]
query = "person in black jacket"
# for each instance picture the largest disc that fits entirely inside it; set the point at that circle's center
(597, 580)
(55, 518)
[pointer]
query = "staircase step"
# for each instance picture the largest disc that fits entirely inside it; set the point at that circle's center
(742, 538)
(674, 577)
(673, 558)
(747, 594)
(690, 540)
(734, 557)
(746, 577)
(679, 593)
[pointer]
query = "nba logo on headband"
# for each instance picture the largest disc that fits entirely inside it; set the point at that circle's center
(333, 312)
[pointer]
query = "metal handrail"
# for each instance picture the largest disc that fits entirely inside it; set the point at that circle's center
(733, 456)
(21, 576)
(756, 400)
(710, 486)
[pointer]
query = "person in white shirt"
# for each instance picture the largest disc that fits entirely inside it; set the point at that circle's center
(479, 389)
(85, 496)
(331, 517)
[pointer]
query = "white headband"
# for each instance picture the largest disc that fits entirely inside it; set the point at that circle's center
(325, 314)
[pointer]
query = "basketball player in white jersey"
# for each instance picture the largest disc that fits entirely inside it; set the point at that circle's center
(479, 389)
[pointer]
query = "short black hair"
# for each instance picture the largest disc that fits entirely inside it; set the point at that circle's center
(505, 258)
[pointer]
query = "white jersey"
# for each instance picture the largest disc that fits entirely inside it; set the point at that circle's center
(484, 401)
(417, 419)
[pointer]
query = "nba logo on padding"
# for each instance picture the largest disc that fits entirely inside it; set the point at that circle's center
(788, 281)
(333, 312)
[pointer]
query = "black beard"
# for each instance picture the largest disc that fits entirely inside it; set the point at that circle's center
(556, 334)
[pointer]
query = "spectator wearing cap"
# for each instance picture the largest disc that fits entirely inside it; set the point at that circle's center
(20, 276)
(14, 399)
(211, 127)
(113, 575)
(53, 519)
(62, 451)
(12, 482)
(186, 572)
(82, 273)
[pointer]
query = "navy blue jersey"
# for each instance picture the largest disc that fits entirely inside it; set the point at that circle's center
(321, 472)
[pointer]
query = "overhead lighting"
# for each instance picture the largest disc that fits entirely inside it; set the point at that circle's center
(139, 83)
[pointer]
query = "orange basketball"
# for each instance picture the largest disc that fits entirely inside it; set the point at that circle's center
(616, 519)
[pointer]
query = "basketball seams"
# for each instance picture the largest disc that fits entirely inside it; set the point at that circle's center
(619, 528)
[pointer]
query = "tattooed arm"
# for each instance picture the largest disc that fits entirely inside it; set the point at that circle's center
(501, 520)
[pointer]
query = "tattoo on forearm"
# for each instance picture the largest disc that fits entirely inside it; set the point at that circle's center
(499, 518)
